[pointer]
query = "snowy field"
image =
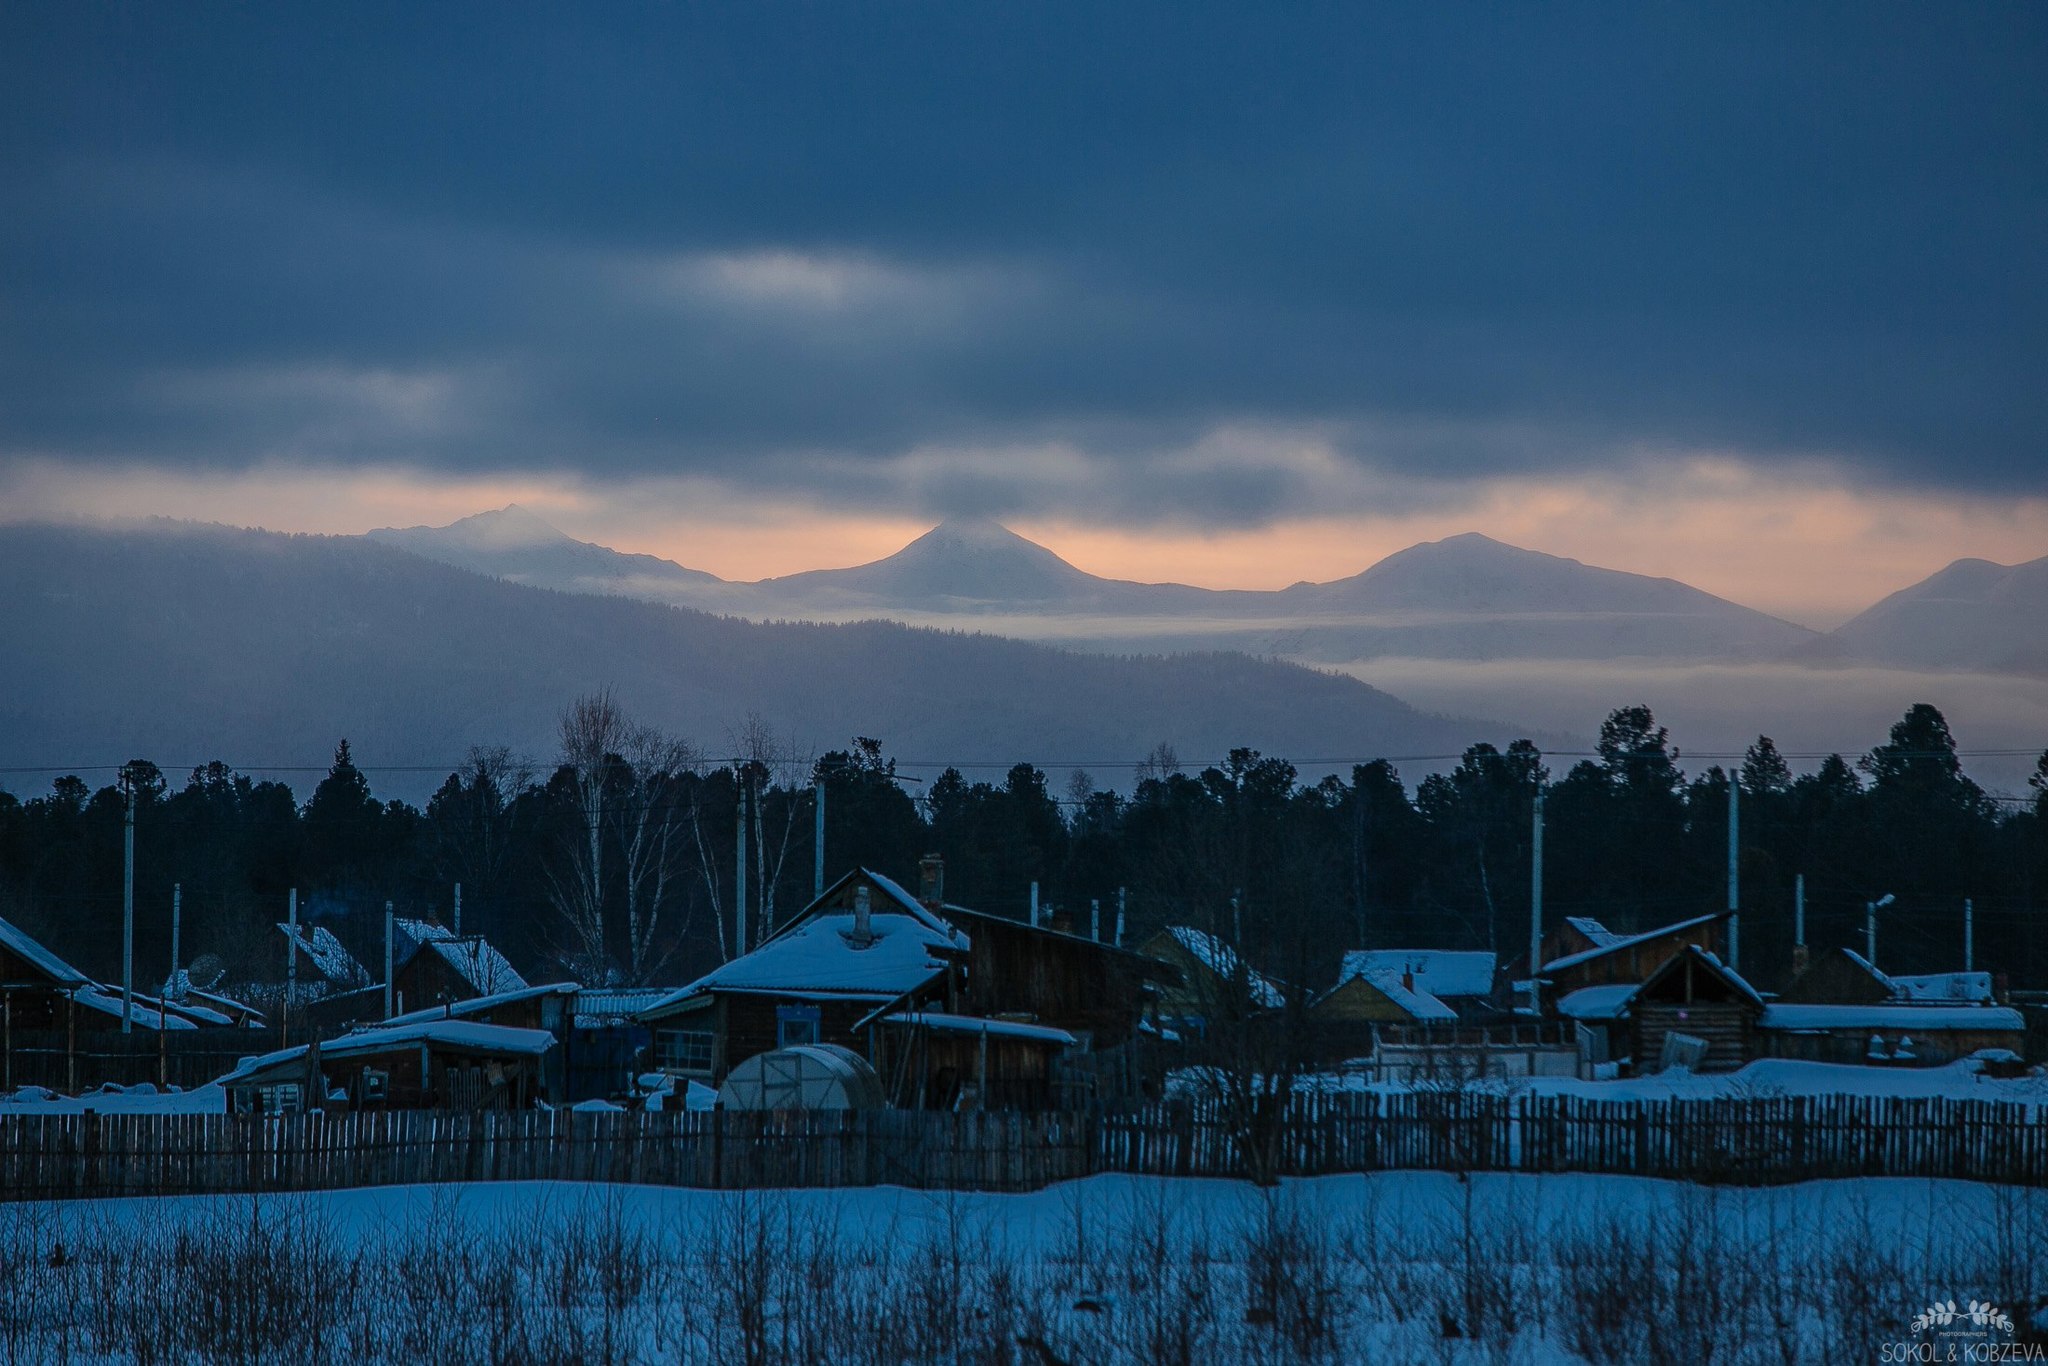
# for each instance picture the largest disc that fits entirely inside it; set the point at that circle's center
(1399, 1267)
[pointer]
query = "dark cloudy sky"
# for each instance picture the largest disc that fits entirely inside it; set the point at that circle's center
(1232, 294)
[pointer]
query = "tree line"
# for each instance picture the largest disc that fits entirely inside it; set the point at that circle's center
(627, 860)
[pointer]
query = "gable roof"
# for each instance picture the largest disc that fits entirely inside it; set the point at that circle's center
(1711, 962)
(477, 962)
(1629, 942)
(1420, 1004)
(24, 946)
(815, 954)
(334, 963)
(1223, 960)
(1440, 972)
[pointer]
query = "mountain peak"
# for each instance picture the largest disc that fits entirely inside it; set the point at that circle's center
(510, 527)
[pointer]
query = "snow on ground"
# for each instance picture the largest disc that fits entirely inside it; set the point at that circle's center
(143, 1099)
(1399, 1267)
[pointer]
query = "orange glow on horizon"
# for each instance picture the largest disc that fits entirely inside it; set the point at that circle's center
(1815, 555)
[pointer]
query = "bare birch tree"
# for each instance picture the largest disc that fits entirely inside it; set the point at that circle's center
(593, 730)
(771, 763)
(654, 824)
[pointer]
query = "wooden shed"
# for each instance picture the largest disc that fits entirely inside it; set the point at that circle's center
(1697, 995)
(1908, 1035)
(436, 1064)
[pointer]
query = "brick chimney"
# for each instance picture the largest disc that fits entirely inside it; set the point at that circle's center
(931, 882)
(1407, 980)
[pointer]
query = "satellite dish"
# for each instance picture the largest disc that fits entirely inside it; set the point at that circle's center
(206, 971)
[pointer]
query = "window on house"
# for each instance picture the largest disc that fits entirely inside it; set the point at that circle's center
(684, 1050)
(795, 1025)
(376, 1084)
(282, 1098)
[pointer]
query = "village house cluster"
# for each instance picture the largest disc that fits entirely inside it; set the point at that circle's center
(874, 995)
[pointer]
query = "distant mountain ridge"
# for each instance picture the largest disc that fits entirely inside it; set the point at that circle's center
(183, 643)
(1973, 614)
(1466, 597)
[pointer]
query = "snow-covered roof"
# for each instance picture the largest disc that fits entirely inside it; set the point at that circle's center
(481, 1005)
(1420, 1004)
(143, 1014)
(476, 961)
(24, 946)
(1597, 1003)
(910, 905)
(599, 1005)
(1587, 955)
(1442, 973)
(326, 954)
(1944, 986)
(1911, 1019)
(465, 1036)
(1221, 959)
(817, 956)
(1598, 934)
(974, 1024)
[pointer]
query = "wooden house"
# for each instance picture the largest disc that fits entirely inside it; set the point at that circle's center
(430, 1064)
(1346, 1019)
(439, 967)
(1464, 980)
(1216, 981)
(915, 986)
(1628, 959)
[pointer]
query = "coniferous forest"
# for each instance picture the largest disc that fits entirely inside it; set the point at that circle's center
(616, 861)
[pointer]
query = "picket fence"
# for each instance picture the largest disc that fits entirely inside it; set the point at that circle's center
(1750, 1140)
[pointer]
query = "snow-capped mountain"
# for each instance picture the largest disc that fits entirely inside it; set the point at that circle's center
(1467, 597)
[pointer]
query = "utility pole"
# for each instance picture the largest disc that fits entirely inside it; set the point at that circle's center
(291, 969)
(1870, 932)
(1799, 923)
(173, 987)
(818, 842)
(1969, 936)
(1034, 903)
(739, 862)
(128, 908)
(388, 928)
(458, 910)
(1734, 874)
(1119, 917)
(1536, 902)
(1095, 919)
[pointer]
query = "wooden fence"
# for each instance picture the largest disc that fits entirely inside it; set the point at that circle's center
(188, 1058)
(1746, 1141)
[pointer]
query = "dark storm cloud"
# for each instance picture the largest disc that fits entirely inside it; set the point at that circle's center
(793, 244)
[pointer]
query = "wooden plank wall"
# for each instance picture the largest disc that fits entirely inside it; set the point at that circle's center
(1750, 1141)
